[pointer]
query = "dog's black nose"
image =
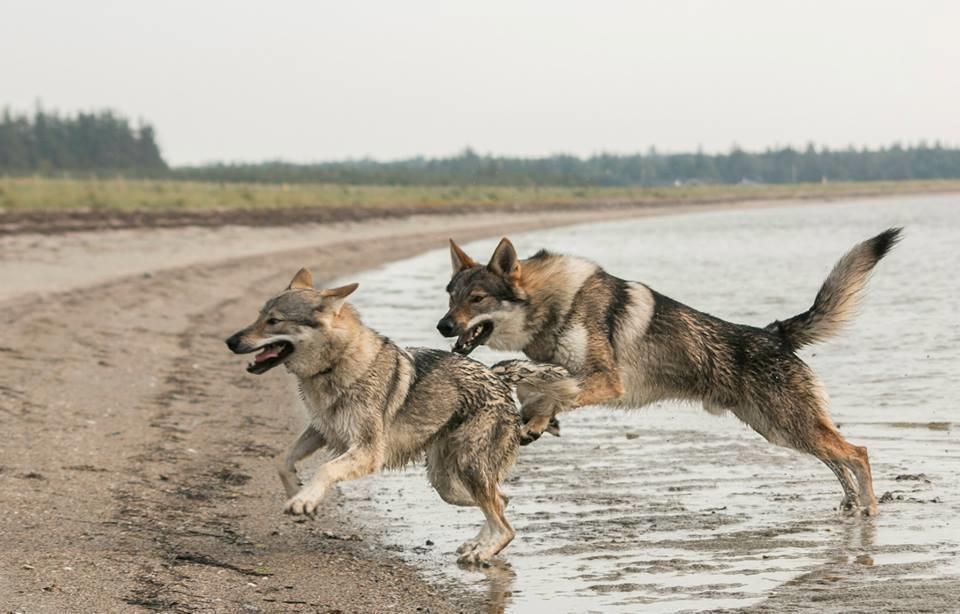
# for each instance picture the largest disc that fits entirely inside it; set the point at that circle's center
(446, 327)
(233, 342)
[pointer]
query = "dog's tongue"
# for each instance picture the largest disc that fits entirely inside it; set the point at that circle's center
(462, 344)
(271, 351)
(462, 340)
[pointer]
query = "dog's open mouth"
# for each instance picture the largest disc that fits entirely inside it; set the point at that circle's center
(270, 356)
(476, 336)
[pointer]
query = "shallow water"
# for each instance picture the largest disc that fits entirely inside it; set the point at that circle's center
(668, 508)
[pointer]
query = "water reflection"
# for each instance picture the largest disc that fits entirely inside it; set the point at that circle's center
(500, 578)
(668, 508)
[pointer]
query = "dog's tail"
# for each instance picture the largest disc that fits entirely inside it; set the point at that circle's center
(544, 390)
(837, 300)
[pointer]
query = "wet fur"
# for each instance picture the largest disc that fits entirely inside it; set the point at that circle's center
(631, 346)
(377, 406)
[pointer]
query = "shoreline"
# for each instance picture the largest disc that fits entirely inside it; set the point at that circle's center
(160, 493)
(36, 263)
(60, 220)
(41, 263)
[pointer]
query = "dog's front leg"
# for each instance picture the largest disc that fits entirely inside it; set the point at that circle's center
(352, 464)
(309, 441)
(599, 377)
(599, 387)
(596, 387)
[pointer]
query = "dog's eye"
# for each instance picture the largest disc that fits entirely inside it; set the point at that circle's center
(272, 321)
(476, 298)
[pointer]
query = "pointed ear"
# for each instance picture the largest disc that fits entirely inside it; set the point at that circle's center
(335, 297)
(505, 262)
(303, 280)
(459, 259)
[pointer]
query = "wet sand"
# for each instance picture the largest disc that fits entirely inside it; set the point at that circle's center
(136, 472)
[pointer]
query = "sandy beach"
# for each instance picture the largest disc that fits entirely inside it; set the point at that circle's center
(136, 465)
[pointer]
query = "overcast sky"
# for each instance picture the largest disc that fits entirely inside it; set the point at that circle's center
(306, 81)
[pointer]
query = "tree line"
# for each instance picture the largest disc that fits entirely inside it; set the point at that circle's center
(105, 143)
(785, 165)
(99, 142)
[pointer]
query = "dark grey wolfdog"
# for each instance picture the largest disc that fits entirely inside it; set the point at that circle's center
(631, 346)
(376, 406)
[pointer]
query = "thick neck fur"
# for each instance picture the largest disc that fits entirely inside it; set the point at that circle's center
(550, 282)
(344, 354)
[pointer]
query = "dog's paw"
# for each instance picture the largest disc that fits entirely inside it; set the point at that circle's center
(304, 503)
(554, 427)
(480, 554)
(469, 558)
(536, 426)
(528, 435)
(848, 506)
(477, 555)
(292, 488)
(468, 546)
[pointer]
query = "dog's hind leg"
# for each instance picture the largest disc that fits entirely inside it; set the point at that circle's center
(470, 463)
(800, 421)
(845, 458)
(446, 481)
(850, 501)
(454, 492)
(497, 532)
(859, 464)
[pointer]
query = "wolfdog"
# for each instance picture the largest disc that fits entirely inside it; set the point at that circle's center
(376, 405)
(630, 346)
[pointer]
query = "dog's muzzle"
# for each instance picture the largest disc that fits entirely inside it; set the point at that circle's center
(233, 343)
(447, 327)
(268, 356)
(467, 339)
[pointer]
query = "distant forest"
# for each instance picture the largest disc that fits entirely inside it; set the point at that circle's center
(100, 142)
(106, 144)
(651, 169)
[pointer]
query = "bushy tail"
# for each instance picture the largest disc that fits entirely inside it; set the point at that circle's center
(544, 390)
(837, 300)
